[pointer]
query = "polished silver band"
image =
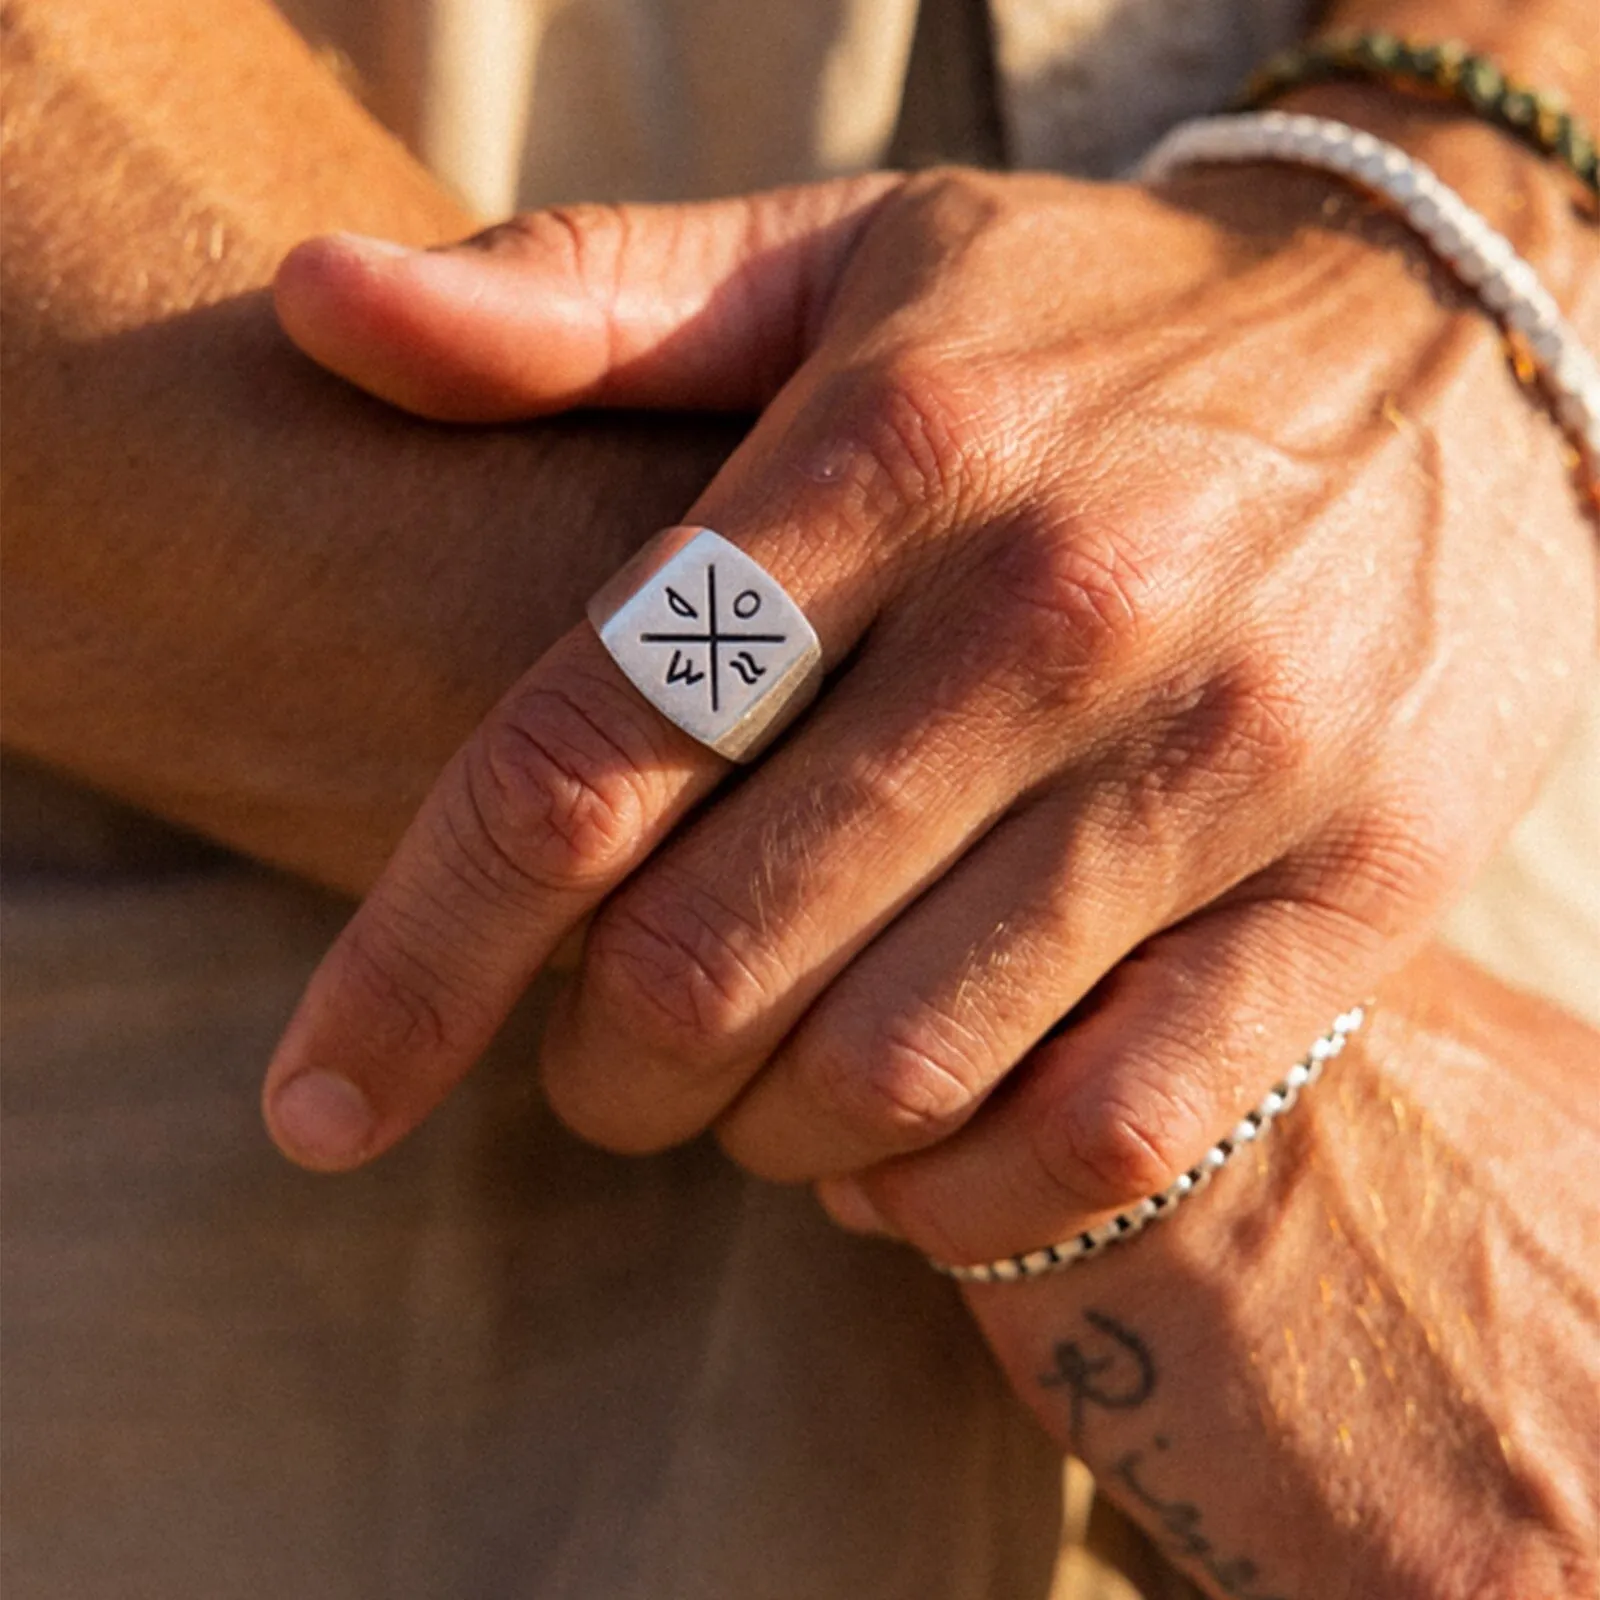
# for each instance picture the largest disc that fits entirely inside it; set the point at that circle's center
(711, 639)
(1125, 1224)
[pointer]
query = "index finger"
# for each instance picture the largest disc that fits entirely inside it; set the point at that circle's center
(567, 784)
(564, 789)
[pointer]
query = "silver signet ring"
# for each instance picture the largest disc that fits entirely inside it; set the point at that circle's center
(711, 639)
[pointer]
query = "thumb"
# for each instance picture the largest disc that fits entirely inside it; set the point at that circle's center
(708, 306)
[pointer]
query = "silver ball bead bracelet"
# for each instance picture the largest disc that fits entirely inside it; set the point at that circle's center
(1483, 259)
(1126, 1224)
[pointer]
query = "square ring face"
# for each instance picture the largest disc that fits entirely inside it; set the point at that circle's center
(710, 639)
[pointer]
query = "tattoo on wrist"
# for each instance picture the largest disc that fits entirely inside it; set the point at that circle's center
(1120, 1375)
(1112, 1368)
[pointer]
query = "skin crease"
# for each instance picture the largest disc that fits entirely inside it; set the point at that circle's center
(409, 478)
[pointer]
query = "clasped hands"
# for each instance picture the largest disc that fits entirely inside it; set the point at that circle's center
(1181, 564)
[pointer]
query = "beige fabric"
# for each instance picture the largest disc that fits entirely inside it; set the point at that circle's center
(1534, 914)
(525, 102)
(497, 1365)
(1089, 84)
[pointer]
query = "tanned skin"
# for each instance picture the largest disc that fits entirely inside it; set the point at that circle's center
(1365, 1361)
(238, 593)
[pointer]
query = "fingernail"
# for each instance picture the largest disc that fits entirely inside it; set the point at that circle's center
(846, 1202)
(322, 1120)
(364, 244)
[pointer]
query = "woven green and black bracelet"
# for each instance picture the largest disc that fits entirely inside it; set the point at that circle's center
(1538, 118)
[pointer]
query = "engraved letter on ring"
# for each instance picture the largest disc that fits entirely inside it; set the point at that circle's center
(711, 639)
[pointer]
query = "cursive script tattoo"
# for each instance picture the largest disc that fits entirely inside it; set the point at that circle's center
(1115, 1372)
(1180, 1523)
(1112, 1368)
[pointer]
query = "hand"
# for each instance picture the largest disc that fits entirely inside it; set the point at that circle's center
(1366, 1361)
(1184, 577)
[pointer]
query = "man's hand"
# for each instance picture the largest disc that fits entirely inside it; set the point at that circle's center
(1366, 1361)
(1184, 577)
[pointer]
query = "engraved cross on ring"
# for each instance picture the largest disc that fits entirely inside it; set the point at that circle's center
(711, 639)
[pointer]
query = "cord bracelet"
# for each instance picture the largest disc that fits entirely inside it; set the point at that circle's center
(1125, 1224)
(1539, 118)
(1479, 256)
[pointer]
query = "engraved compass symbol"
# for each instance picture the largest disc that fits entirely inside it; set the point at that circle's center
(687, 647)
(711, 639)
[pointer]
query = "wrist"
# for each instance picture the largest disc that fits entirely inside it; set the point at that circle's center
(1539, 207)
(1451, 369)
(1549, 43)
(1343, 1310)
(1527, 197)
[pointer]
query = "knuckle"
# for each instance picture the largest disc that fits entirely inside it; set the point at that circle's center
(919, 430)
(903, 1089)
(553, 798)
(971, 197)
(1250, 729)
(1266, 722)
(1078, 601)
(1414, 850)
(982, 216)
(930, 426)
(589, 240)
(1374, 873)
(1111, 1150)
(677, 969)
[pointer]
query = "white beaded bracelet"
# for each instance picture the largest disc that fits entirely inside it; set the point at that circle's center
(1125, 1224)
(1481, 258)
